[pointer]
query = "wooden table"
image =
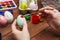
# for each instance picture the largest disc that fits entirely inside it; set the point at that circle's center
(34, 29)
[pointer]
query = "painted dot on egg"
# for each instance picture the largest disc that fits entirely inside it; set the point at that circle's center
(22, 16)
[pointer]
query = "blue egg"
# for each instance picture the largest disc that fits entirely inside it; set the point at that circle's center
(2, 13)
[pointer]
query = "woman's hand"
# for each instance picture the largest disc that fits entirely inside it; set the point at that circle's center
(54, 16)
(21, 35)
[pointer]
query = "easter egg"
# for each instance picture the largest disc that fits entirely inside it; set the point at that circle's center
(3, 20)
(35, 19)
(23, 5)
(20, 20)
(8, 16)
(27, 17)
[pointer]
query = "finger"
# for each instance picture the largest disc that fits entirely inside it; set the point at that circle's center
(40, 13)
(14, 25)
(46, 8)
(14, 29)
(25, 26)
(49, 12)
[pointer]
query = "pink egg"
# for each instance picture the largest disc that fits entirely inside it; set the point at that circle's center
(3, 20)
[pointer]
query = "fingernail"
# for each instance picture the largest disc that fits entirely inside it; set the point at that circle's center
(45, 10)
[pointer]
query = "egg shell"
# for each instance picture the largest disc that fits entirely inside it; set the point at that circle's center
(8, 16)
(3, 20)
(20, 20)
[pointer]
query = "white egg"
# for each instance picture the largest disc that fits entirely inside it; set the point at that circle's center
(8, 16)
(20, 20)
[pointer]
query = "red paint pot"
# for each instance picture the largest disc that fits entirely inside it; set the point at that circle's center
(35, 19)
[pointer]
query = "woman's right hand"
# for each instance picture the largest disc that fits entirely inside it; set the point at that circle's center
(21, 35)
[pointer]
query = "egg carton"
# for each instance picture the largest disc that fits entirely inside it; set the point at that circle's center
(7, 4)
(29, 4)
(52, 3)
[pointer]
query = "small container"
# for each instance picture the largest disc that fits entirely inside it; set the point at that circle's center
(27, 17)
(35, 19)
(23, 5)
(7, 4)
(28, 5)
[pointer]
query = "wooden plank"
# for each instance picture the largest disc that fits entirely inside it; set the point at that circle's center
(36, 28)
